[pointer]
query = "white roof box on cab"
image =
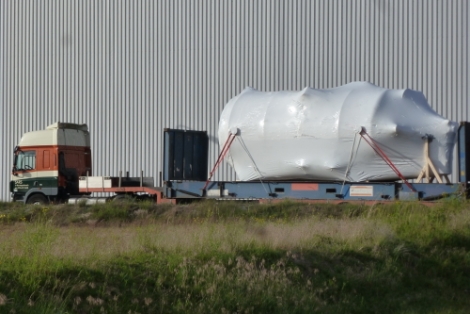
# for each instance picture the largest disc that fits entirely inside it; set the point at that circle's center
(59, 133)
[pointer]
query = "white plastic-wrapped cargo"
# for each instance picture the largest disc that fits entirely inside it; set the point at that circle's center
(314, 134)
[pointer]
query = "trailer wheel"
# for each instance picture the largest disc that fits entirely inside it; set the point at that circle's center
(123, 198)
(37, 199)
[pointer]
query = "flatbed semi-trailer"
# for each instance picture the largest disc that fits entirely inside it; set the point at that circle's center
(179, 191)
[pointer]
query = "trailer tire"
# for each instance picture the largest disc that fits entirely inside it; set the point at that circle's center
(37, 199)
(121, 198)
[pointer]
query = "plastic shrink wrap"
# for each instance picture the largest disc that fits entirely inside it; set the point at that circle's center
(313, 134)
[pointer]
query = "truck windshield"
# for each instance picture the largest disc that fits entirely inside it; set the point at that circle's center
(25, 160)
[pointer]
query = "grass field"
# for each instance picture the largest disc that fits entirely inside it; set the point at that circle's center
(223, 257)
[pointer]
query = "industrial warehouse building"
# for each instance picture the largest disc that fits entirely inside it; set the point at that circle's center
(129, 69)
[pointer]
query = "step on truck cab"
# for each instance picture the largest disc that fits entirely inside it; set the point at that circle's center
(48, 163)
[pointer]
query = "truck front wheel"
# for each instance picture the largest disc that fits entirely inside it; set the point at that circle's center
(37, 199)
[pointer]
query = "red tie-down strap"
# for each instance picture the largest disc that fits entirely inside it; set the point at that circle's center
(382, 154)
(222, 155)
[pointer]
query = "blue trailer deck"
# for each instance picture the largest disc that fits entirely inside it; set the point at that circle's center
(310, 190)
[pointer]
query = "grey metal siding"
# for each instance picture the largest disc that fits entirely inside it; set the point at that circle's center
(131, 68)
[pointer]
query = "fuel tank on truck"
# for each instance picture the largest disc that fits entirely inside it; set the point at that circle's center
(314, 134)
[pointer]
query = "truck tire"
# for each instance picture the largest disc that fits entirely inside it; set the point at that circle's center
(37, 199)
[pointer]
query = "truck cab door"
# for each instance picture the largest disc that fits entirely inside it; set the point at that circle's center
(24, 171)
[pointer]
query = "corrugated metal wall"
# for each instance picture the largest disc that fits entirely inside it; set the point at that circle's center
(130, 68)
